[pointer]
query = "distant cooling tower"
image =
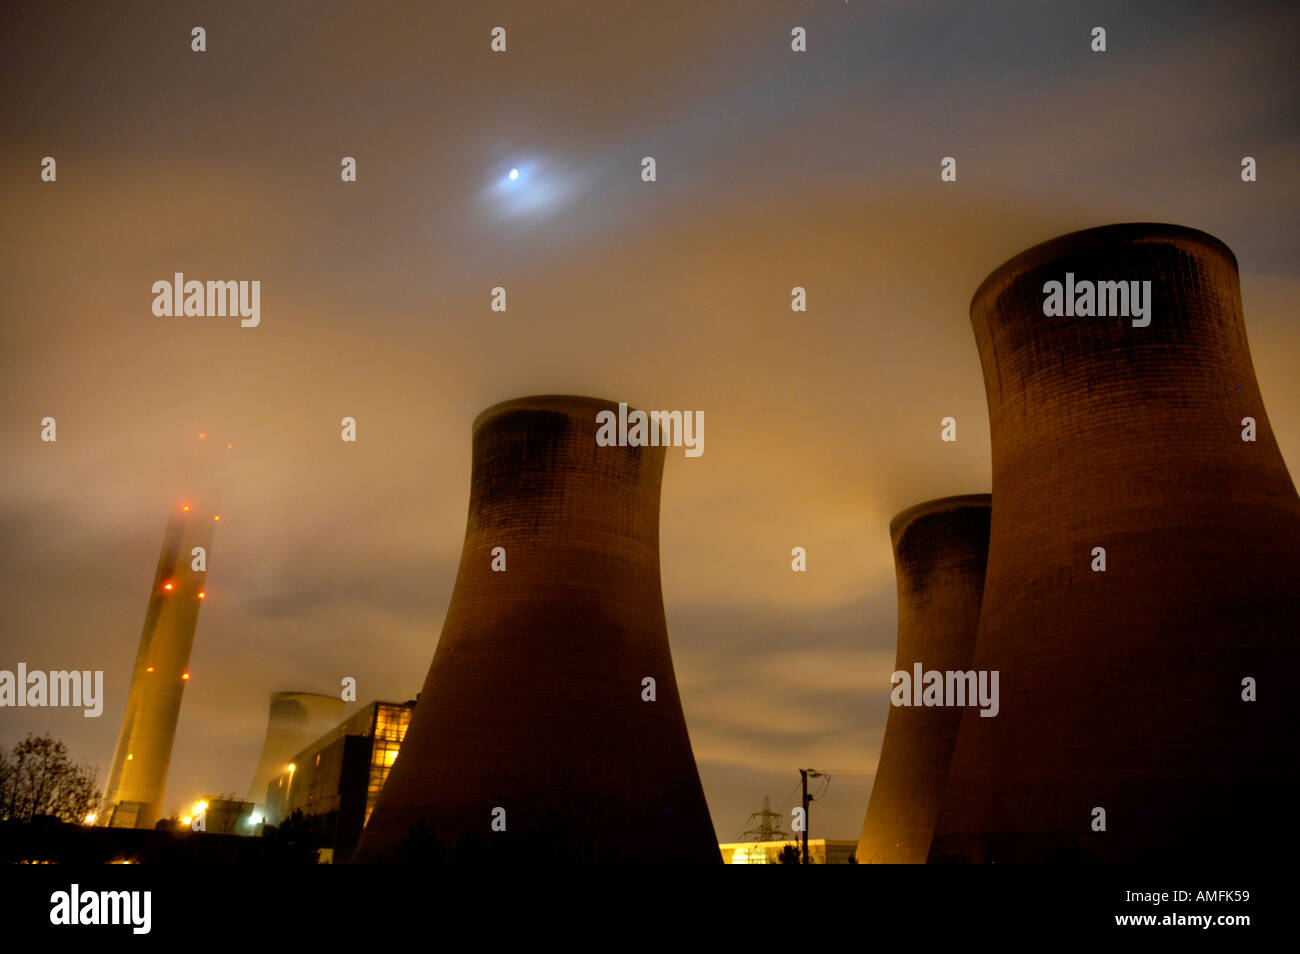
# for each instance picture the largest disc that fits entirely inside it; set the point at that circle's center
(940, 549)
(296, 720)
(534, 715)
(1125, 690)
(138, 778)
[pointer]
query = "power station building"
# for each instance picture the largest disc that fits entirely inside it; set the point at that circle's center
(223, 815)
(550, 726)
(296, 720)
(821, 851)
(1142, 595)
(335, 779)
(138, 777)
(940, 552)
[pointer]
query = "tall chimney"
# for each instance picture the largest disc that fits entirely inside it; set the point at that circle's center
(138, 777)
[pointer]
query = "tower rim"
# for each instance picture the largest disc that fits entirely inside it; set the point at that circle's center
(563, 403)
(290, 693)
(905, 518)
(1083, 239)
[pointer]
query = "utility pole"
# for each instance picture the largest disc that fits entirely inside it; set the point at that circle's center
(803, 774)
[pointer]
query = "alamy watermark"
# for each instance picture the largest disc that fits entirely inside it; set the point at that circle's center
(75, 906)
(655, 429)
(1087, 299)
(946, 688)
(57, 688)
(194, 299)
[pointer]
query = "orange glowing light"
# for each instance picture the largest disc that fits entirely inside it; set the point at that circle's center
(186, 508)
(230, 446)
(167, 586)
(218, 517)
(201, 595)
(203, 435)
(149, 669)
(185, 675)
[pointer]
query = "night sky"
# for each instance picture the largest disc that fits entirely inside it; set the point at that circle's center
(775, 169)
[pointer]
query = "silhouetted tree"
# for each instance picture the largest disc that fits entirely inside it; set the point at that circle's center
(789, 855)
(37, 779)
(7, 785)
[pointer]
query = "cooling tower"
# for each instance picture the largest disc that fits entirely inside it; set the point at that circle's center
(940, 549)
(534, 715)
(1125, 690)
(296, 720)
(138, 778)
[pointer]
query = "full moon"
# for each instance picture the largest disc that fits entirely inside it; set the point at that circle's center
(514, 173)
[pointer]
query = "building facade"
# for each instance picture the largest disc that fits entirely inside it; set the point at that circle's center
(336, 780)
(821, 851)
(224, 815)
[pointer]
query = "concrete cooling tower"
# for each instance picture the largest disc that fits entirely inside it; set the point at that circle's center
(1142, 598)
(138, 777)
(535, 736)
(296, 720)
(940, 549)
